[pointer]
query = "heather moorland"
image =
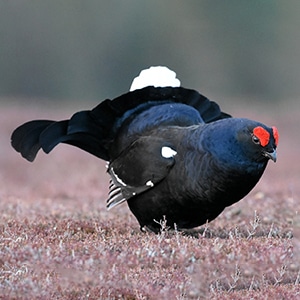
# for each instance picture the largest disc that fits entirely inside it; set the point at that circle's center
(58, 241)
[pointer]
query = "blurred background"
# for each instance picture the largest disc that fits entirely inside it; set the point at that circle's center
(78, 50)
(58, 57)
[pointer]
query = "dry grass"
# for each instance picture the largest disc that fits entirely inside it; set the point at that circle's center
(57, 241)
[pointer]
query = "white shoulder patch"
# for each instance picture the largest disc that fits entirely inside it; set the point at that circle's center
(150, 183)
(167, 152)
(157, 76)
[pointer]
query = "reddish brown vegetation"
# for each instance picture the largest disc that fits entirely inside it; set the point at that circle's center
(57, 241)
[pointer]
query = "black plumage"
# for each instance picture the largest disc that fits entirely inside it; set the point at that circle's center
(172, 153)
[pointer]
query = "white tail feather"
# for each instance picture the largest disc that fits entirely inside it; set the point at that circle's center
(155, 76)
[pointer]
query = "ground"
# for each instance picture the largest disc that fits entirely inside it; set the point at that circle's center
(58, 241)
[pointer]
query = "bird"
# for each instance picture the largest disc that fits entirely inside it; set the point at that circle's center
(172, 153)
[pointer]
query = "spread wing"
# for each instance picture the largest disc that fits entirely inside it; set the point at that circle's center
(141, 166)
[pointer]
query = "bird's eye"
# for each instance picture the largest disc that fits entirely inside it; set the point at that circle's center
(255, 139)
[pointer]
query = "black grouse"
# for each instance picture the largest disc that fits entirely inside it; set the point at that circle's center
(172, 153)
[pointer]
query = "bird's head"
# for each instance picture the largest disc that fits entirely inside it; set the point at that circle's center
(241, 142)
(260, 141)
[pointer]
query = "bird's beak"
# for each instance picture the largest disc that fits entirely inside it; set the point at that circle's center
(271, 155)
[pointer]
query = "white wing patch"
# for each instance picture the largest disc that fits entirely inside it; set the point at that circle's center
(150, 183)
(157, 76)
(167, 152)
(119, 180)
(115, 196)
(120, 192)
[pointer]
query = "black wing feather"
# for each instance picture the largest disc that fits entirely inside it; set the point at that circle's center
(144, 158)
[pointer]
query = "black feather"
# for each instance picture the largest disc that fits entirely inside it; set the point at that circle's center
(172, 152)
(95, 130)
(26, 138)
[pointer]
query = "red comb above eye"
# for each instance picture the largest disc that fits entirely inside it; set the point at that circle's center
(262, 134)
(275, 134)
